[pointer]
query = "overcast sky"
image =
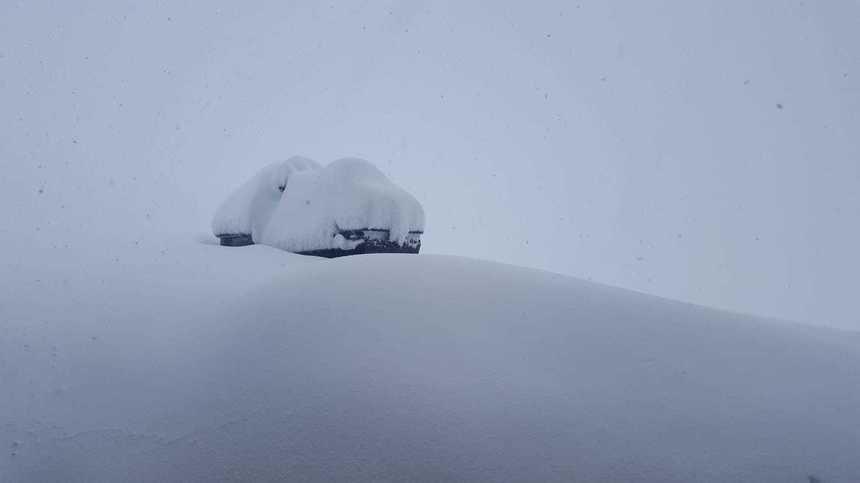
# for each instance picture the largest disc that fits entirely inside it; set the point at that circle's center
(707, 151)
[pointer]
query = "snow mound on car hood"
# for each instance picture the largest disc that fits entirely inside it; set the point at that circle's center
(347, 194)
(249, 208)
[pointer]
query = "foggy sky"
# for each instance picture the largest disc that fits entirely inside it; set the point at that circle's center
(704, 151)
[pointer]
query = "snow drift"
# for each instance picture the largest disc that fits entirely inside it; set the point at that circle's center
(262, 365)
(300, 207)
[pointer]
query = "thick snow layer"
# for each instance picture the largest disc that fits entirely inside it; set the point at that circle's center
(249, 208)
(203, 363)
(312, 204)
(347, 194)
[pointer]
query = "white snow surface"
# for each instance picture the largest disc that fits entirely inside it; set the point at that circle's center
(346, 194)
(194, 362)
(248, 209)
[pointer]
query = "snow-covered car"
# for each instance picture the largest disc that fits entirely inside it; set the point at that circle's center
(347, 207)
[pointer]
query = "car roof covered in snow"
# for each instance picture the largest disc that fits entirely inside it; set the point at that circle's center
(298, 206)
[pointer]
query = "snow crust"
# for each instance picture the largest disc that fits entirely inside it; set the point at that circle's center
(204, 363)
(347, 194)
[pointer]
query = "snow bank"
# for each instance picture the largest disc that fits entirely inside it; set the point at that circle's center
(316, 203)
(249, 208)
(213, 364)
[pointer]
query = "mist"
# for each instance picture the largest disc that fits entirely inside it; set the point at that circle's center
(705, 151)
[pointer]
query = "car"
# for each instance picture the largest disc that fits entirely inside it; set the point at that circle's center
(347, 207)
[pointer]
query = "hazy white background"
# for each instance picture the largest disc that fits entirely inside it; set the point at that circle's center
(707, 151)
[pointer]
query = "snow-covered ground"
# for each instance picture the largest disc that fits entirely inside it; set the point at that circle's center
(704, 151)
(194, 362)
